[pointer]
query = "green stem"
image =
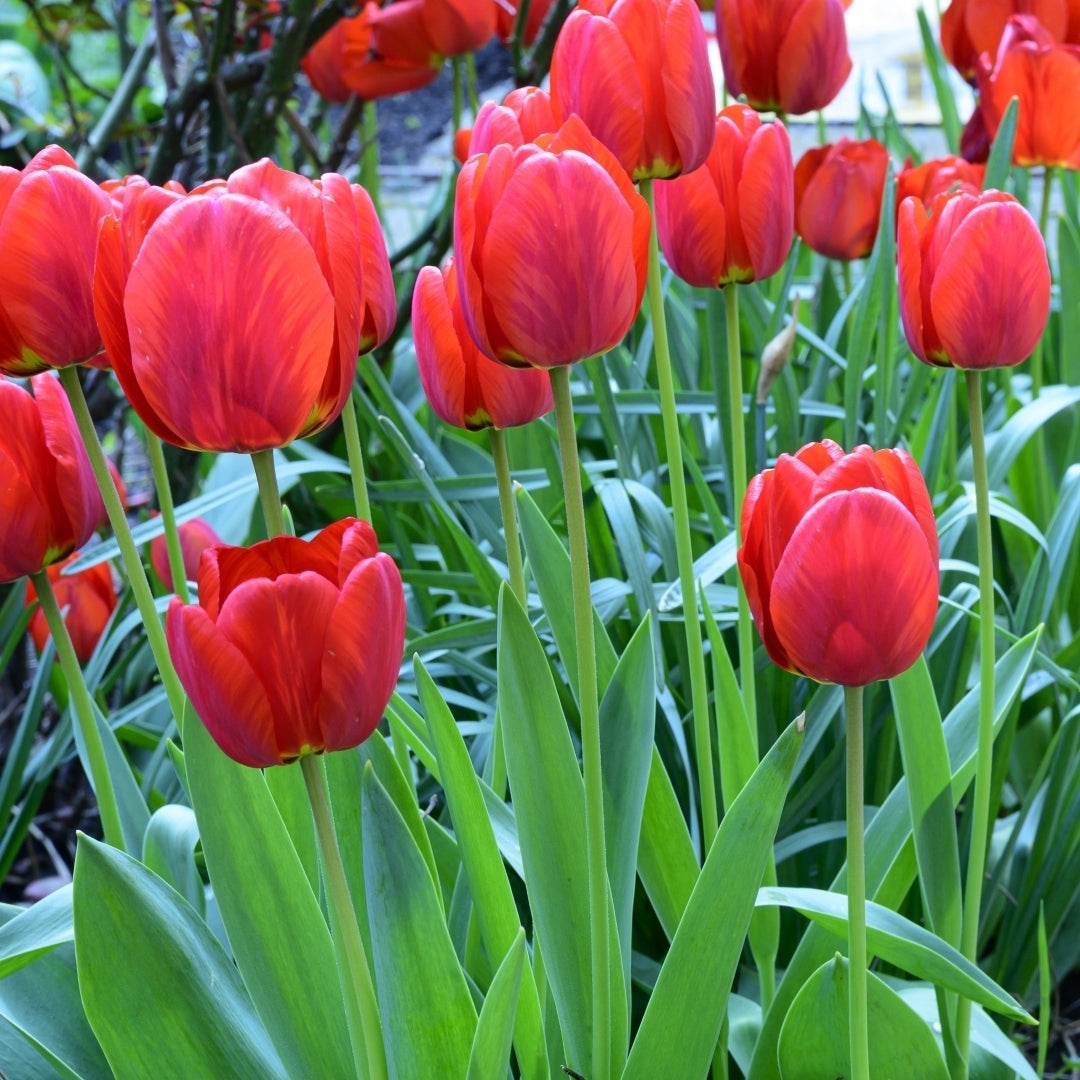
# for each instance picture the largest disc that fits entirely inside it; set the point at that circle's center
(269, 498)
(361, 1005)
(509, 515)
(471, 83)
(590, 723)
(355, 451)
(856, 886)
(455, 66)
(1044, 221)
(133, 567)
(83, 708)
(699, 693)
(369, 161)
(168, 515)
(984, 755)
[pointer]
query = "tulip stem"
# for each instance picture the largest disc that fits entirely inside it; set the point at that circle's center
(168, 515)
(984, 754)
(361, 1005)
(140, 586)
(355, 451)
(269, 497)
(856, 885)
(83, 709)
(589, 706)
(699, 692)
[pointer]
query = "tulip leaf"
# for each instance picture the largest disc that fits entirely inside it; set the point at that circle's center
(681, 1023)
(275, 925)
(35, 931)
(1001, 152)
(1069, 279)
(144, 954)
(484, 870)
(490, 1056)
(814, 1041)
(427, 1012)
(169, 851)
(939, 75)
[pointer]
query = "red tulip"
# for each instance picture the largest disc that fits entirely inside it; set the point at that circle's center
(459, 26)
(552, 247)
(524, 115)
(974, 280)
(383, 51)
(732, 219)
(838, 190)
(195, 537)
(637, 72)
(974, 139)
(790, 56)
(294, 646)
(90, 599)
(936, 176)
(49, 218)
(1045, 76)
(49, 501)
(324, 62)
(972, 27)
(840, 562)
(464, 387)
(506, 15)
(238, 324)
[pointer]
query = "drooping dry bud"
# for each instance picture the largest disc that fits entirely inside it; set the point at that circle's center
(776, 354)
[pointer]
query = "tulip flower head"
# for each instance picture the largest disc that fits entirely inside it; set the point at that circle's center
(524, 115)
(637, 72)
(732, 220)
(90, 599)
(840, 562)
(939, 175)
(970, 28)
(49, 500)
(195, 537)
(974, 280)
(294, 646)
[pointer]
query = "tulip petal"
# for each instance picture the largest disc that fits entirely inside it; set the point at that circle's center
(439, 350)
(814, 46)
(380, 303)
(767, 200)
(692, 227)
(689, 97)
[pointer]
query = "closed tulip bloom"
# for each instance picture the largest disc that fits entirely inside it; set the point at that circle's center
(840, 562)
(49, 500)
(233, 320)
(790, 56)
(732, 219)
(294, 646)
(1045, 76)
(970, 28)
(506, 16)
(195, 537)
(934, 177)
(637, 72)
(552, 247)
(464, 387)
(49, 218)
(524, 115)
(974, 280)
(838, 191)
(90, 599)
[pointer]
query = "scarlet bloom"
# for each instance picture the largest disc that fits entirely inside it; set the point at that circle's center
(459, 26)
(464, 387)
(931, 178)
(838, 190)
(90, 599)
(49, 217)
(840, 562)
(324, 62)
(195, 537)
(1045, 76)
(552, 247)
(732, 219)
(970, 28)
(637, 72)
(974, 280)
(790, 56)
(233, 316)
(506, 15)
(524, 115)
(49, 501)
(294, 646)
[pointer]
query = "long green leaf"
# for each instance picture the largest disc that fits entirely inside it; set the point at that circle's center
(36, 931)
(490, 1054)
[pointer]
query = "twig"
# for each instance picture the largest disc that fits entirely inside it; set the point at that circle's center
(351, 115)
(304, 134)
(166, 57)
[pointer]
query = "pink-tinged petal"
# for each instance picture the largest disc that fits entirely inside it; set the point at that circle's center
(365, 639)
(689, 97)
(990, 311)
(380, 303)
(910, 226)
(855, 595)
(532, 107)
(495, 124)
(223, 687)
(439, 350)
(232, 359)
(355, 540)
(904, 480)
(813, 62)
(767, 199)
(692, 227)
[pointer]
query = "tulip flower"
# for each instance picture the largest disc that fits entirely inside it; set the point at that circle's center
(974, 280)
(552, 248)
(790, 56)
(324, 62)
(732, 219)
(840, 562)
(294, 646)
(972, 27)
(49, 500)
(456, 27)
(932, 178)
(838, 190)
(524, 115)
(238, 324)
(195, 537)
(464, 387)
(506, 15)
(637, 72)
(975, 139)
(90, 599)
(49, 218)
(1045, 76)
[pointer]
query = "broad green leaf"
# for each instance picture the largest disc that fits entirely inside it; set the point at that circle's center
(169, 851)
(428, 1017)
(144, 955)
(1001, 152)
(682, 1023)
(814, 1041)
(35, 931)
(490, 1056)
